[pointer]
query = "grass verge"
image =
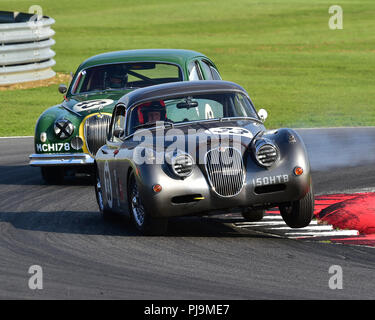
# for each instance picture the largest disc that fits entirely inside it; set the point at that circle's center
(282, 52)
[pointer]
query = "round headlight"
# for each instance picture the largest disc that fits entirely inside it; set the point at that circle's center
(266, 153)
(63, 128)
(182, 165)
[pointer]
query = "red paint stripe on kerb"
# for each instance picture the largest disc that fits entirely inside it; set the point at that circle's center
(346, 212)
(322, 202)
(355, 213)
(349, 211)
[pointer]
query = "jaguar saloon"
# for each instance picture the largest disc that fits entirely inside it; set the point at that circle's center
(196, 148)
(68, 135)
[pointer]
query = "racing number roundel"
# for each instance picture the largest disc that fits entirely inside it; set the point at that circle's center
(236, 131)
(108, 184)
(91, 104)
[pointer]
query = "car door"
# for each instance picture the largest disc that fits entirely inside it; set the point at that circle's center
(108, 156)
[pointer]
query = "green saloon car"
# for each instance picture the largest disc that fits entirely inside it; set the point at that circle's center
(68, 135)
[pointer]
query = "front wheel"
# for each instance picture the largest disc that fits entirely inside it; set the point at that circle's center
(146, 224)
(252, 215)
(299, 213)
(107, 214)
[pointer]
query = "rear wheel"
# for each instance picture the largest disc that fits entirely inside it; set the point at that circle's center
(53, 175)
(299, 213)
(252, 215)
(146, 224)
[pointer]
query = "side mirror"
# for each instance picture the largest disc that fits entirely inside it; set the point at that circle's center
(263, 114)
(118, 133)
(63, 88)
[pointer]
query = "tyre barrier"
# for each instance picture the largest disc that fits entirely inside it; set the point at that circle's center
(25, 47)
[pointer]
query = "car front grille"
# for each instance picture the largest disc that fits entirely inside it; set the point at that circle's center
(96, 128)
(225, 171)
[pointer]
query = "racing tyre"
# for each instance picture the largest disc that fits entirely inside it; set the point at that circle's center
(107, 214)
(53, 175)
(299, 213)
(145, 224)
(252, 215)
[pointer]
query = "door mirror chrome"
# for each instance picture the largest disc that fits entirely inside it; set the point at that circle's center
(263, 114)
(63, 88)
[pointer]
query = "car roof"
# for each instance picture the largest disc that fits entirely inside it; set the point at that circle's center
(173, 89)
(177, 56)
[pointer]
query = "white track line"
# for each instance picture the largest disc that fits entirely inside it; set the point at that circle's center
(273, 217)
(259, 224)
(268, 223)
(312, 228)
(323, 234)
(273, 224)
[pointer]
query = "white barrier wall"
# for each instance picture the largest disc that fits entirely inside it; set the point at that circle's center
(25, 48)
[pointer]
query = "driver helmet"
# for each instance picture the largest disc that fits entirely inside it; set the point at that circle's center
(117, 78)
(152, 112)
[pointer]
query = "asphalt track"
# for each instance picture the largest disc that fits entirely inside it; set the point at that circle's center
(83, 257)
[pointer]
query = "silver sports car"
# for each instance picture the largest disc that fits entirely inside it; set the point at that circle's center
(197, 148)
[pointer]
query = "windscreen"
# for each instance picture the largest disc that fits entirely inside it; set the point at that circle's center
(191, 108)
(124, 76)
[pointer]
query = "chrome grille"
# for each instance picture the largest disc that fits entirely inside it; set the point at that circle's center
(96, 128)
(225, 171)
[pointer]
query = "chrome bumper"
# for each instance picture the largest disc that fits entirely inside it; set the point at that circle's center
(71, 159)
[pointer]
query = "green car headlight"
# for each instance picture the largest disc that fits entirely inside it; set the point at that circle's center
(63, 128)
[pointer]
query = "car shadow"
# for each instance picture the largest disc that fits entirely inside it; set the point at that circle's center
(31, 176)
(209, 227)
(92, 223)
